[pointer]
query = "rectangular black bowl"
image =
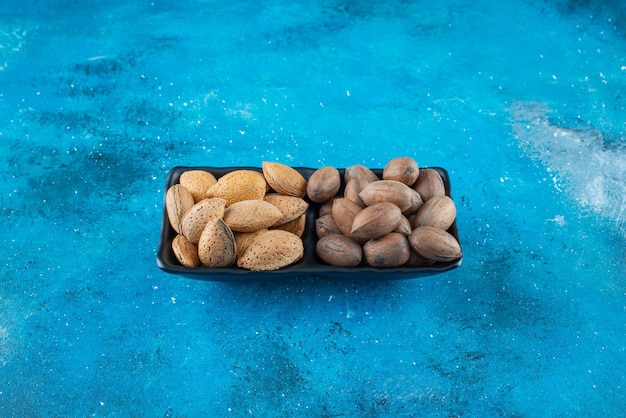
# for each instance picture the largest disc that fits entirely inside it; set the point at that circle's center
(310, 265)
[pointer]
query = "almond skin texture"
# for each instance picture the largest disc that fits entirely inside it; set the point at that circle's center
(197, 182)
(402, 169)
(359, 171)
(344, 210)
(216, 247)
(375, 221)
(199, 215)
(390, 250)
(389, 191)
(251, 215)
(291, 207)
(239, 185)
(438, 211)
(296, 227)
(178, 200)
(186, 252)
(244, 239)
(429, 184)
(323, 184)
(326, 225)
(339, 250)
(435, 244)
(284, 179)
(272, 250)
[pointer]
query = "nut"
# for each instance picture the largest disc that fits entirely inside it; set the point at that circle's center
(438, 211)
(185, 251)
(391, 191)
(284, 179)
(291, 207)
(216, 247)
(251, 215)
(239, 185)
(178, 200)
(323, 184)
(199, 215)
(197, 182)
(272, 250)
(402, 169)
(390, 250)
(375, 221)
(435, 244)
(339, 250)
(429, 184)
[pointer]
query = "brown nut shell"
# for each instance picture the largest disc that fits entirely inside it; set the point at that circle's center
(326, 225)
(216, 247)
(251, 215)
(197, 182)
(339, 250)
(391, 191)
(284, 179)
(353, 188)
(272, 250)
(296, 227)
(323, 184)
(239, 185)
(438, 211)
(291, 207)
(402, 169)
(429, 184)
(375, 221)
(359, 171)
(185, 251)
(390, 250)
(197, 217)
(343, 211)
(178, 200)
(435, 244)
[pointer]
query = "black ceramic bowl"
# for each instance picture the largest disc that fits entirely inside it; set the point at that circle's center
(309, 265)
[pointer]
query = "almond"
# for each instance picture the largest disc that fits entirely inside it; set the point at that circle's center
(291, 207)
(323, 184)
(197, 182)
(199, 215)
(239, 185)
(284, 179)
(402, 169)
(244, 239)
(272, 250)
(185, 251)
(178, 200)
(296, 227)
(435, 244)
(251, 215)
(216, 247)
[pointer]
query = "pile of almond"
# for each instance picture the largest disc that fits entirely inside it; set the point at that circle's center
(245, 218)
(399, 220)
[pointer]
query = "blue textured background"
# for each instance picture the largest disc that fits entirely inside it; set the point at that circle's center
(522, 102)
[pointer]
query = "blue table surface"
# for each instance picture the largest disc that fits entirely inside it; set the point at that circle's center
(521, 102)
